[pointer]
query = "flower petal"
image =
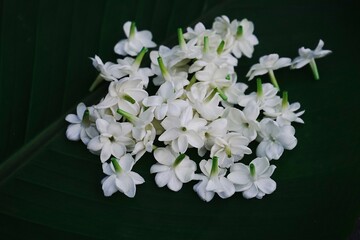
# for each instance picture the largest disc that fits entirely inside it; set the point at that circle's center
(174, 184)
(251, 192)
(108, 185)
(105, 152)
(162, 178)
(73, 132)
(72, 118)
(164, 156)
(126, 185)
(266, 185)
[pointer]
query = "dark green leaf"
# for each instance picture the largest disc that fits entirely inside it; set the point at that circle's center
(50, 187)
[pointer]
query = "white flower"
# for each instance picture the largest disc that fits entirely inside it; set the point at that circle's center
(267, 64)
(135, 41)
(266, 97)
(172, 169)
(275, 139)
(239, 35)
(230, 148)
(185, 51)
(200, 32)
(125, 94)
(166, 101)
(285, 113)
(253, 180)
(120, 177)
(244, 122)
(206, 104)
(113, 139)
(215, 78)
(82, 124)
(212, 181)
(108, 71)
(307, 55)
(166, 73)
(215, 129)
(183, 131)
(131, 67)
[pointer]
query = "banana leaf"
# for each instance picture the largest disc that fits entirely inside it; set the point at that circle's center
(50, 187)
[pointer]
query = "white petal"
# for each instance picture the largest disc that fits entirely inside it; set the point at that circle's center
(153, 101)
(174, 184)
(169, 135)
(251, 192)
(95, 144)
(107, 169)
(266, 185)
(102, 125)
(238, 177)
(288, 141)
(162, 178)
(194, 139)
(164, 156)
(261, 165)
(127, 162)
(182, 143)
(72, 118)
(274, 150)
(105, 152)
(126, 185)
(251, 110)
(228, 188)
(80, 109)
(73, 132)
(136, 178)
(118, 150)
(108, 185)
(159, 168)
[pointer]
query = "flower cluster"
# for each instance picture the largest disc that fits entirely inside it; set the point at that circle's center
(199, 107)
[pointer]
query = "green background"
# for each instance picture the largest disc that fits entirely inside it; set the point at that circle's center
(50, 187)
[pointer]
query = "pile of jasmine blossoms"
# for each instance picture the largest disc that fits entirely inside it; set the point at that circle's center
(199, 107)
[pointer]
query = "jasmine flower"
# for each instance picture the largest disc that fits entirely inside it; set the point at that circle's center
(172, 169)
(120, 177)
(267, 64)
(135, 41)
(82, 124)
(212, 180)
(253, 180)
(113, 140)
(307, 55)
(275, 139)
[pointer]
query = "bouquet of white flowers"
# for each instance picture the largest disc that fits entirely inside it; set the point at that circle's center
(198, 105)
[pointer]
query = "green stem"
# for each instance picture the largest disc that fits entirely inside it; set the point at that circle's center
(220, 48)
(206, 44)
(239, 31)
(214, 166)
(96, 82)
(314, 69)
(259, 90)
(179, 159)
(116, 165)
(163, 69)
(273, 79)
(285, 102)
(181, 39)
(132, 30)
(221, 94)
(129, 99)
(192, 81)
(252, 170)
(139, 58)
(126, 115)
(211, 95)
